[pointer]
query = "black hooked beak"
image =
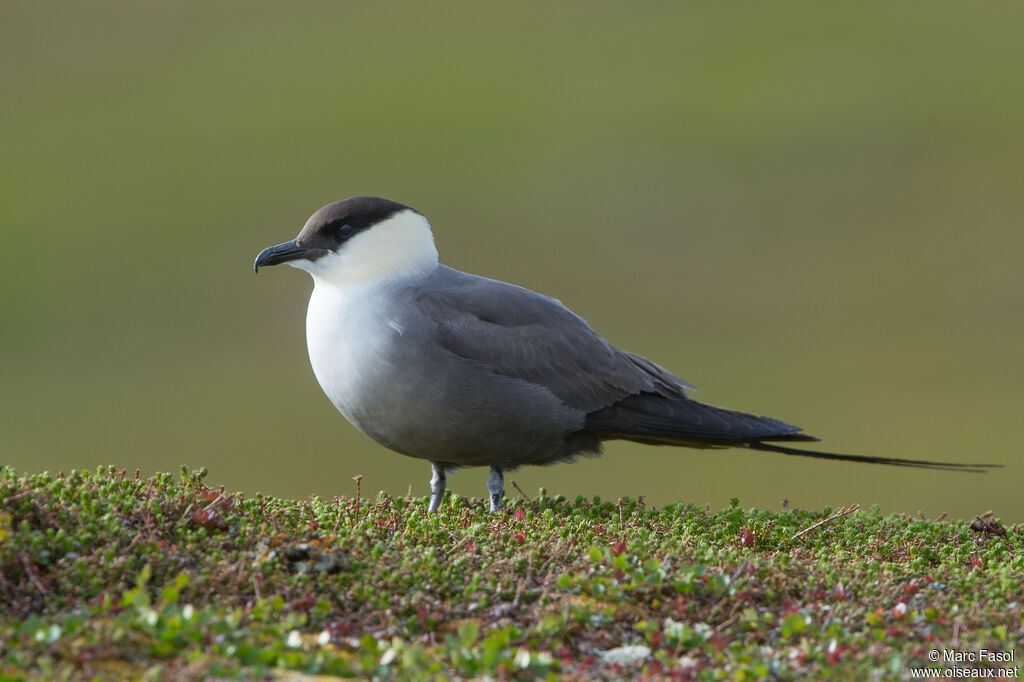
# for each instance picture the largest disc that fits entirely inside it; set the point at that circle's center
(282, 253)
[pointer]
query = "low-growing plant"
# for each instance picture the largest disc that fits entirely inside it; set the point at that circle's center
(108, 575)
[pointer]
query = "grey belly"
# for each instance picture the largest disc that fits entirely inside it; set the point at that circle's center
(455, 411)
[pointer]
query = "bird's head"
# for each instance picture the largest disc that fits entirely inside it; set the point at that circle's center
(358, 239)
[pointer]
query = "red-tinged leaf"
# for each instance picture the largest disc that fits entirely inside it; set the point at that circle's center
(719, 641)
(216, 499)
(209, 519)
(748, 538)
(834, 655)
(302, 603)
(520, 515)
(618, 548)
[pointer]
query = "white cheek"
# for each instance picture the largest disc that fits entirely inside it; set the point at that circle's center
(401, 246)
(301, 264)
(318, 268)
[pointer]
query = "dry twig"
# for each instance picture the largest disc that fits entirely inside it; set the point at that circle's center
(843, 511)
(521, 493)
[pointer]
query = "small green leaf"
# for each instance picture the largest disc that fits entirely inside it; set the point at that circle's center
(793, 624)
(169, 595)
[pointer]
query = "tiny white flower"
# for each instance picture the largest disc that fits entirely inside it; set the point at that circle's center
(626, 654)
(294, 639)
(49, 634)
(187, 612)
(323, 638)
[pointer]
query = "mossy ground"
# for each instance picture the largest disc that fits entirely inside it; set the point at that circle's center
(109, 576)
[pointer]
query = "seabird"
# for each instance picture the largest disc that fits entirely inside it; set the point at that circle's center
(461, 370)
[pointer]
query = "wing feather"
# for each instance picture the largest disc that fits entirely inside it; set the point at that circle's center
(518, 333)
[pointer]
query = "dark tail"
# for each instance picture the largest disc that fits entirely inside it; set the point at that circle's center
(891, 461)
(678, 420)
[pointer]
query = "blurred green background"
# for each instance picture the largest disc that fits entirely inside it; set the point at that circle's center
(807, 210)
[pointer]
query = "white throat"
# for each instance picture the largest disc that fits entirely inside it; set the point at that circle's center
(397, 248)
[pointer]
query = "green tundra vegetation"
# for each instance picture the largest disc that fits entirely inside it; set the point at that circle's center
(110, 576)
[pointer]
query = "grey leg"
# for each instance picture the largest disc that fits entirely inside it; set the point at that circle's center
(437, 485)
(496, 487)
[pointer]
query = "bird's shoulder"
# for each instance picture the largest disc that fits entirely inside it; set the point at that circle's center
(454, 295)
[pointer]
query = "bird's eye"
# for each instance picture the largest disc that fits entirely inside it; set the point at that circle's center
(344, 230)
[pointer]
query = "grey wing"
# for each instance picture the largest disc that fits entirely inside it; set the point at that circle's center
(520, 334)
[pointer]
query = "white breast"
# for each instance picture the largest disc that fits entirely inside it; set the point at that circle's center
(348, 332)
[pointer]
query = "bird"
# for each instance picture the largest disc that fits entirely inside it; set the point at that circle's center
(462, 371)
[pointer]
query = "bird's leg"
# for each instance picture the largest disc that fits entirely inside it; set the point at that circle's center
(437, 485)
(496, 487)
